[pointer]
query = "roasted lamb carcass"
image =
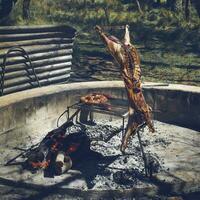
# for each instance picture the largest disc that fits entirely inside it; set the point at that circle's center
(128, 58)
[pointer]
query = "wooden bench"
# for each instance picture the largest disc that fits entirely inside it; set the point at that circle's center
(49, 49)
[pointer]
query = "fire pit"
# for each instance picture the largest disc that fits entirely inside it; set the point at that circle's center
(104, 172)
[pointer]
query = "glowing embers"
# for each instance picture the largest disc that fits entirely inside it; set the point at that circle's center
(57, 151)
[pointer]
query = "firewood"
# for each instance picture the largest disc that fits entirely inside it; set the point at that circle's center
(63, 163)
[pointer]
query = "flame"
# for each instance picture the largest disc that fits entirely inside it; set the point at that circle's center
(43, 164)
(54, 146)
(72, 148)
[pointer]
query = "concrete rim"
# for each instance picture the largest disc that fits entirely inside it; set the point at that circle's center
(53, 89)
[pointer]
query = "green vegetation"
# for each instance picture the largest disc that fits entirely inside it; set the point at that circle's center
(167, 38)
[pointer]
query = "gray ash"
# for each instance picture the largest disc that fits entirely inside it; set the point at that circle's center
(104, 166)
(108, 168)
(162, 141)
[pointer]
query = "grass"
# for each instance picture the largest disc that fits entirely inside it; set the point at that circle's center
(169, 46)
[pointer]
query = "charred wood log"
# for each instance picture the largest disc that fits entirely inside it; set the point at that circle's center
(58, 150)
(63, 163)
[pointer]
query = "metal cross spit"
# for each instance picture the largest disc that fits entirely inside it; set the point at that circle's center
(120, 111)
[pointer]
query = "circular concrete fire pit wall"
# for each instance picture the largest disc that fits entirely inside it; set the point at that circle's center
(34, 112)
(176, 104)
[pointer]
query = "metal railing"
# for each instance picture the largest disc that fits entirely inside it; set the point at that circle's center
(21, 52)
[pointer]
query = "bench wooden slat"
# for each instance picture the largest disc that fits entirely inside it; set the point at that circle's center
(44, 75)
(7, 45)
(22, 73)
(37, 29)
(38, 64)
(53, 80)
(39, 56)
(23, 37)
(49, 48)
(40, 49)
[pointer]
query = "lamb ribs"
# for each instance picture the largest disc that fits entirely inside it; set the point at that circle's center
(128, 58)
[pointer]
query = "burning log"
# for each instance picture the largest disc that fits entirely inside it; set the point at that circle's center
(63, 163)
(56, 152)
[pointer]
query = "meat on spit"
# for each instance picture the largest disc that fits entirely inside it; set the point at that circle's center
(128, 58)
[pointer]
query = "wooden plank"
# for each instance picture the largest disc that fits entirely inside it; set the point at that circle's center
(49, 48)
(38, 57)
(38, 64)
(45, 75)
(59, 79)
(31, 36)
(18, 88)
(36, 42)
(22, 73)
(49, 62)
(37, 29)
(16, 57)
(40, 49)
